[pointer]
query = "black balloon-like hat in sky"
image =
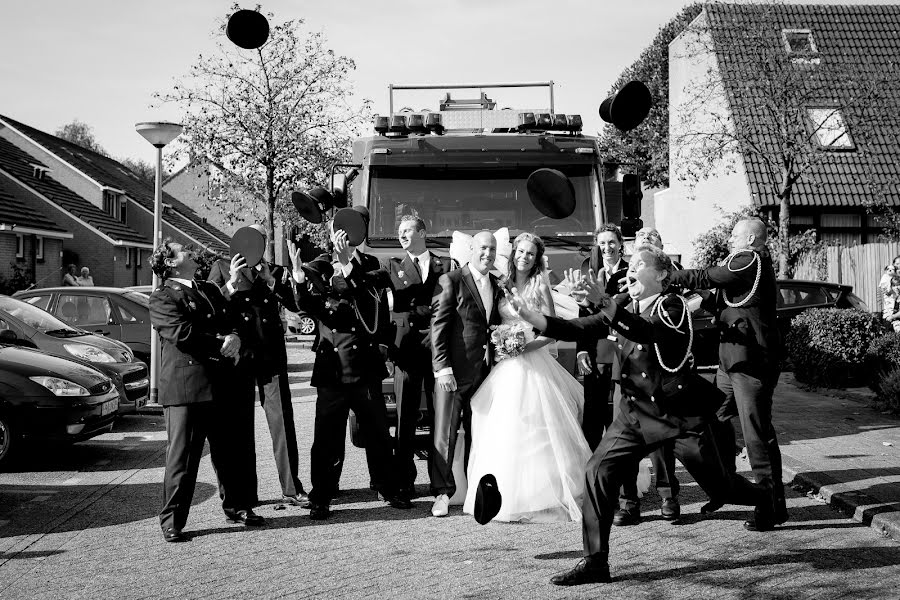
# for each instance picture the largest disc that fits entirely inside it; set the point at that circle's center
(552, 193)
(247, 29)
(627, 108)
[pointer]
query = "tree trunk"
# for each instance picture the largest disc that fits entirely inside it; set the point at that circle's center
(270, 230)
(784, 223)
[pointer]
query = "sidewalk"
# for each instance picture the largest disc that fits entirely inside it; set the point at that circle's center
(846, 453)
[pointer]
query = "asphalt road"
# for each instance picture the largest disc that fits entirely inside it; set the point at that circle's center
(80, 522)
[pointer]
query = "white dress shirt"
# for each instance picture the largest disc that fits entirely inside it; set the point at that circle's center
(483, 283)
(184, 282)
(423, 260)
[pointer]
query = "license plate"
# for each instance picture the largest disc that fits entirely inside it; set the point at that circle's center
(109, 407)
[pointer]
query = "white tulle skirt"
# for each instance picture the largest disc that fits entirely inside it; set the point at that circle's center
(526, 431)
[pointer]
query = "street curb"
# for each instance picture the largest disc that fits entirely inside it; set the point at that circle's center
(859, 506)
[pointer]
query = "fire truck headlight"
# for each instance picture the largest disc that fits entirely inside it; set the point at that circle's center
(381, 124)
(398, 124)
(574, 122)
(526, 121)
(416, 123)
(543, 121)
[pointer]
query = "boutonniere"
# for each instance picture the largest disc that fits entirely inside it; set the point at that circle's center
(400, 274)
(192, 305)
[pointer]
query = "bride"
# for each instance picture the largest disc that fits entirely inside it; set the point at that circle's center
(526, 416)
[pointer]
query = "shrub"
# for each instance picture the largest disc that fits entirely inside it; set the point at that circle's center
(828, 346)
(887, 394)
(882, 356)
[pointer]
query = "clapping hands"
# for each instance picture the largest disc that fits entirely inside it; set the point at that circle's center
(296, 262)
(586, 289)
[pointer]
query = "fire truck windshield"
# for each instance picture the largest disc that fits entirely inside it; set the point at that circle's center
(471, 200)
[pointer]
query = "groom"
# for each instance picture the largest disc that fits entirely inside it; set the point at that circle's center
(465, 306)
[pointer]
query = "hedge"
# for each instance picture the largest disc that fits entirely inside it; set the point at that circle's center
(828, 346)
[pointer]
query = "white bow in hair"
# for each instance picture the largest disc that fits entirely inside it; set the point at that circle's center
(461, 249)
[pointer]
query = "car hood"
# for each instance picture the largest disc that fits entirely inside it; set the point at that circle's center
(28, 363)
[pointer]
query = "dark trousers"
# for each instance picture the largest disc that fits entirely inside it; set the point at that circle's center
(237, 406)
(409, 381)
(617, 457)
(663, 461)
(275, 395)
(187, 429)
(326, 457)
(749, 398)
(598, 408)
(450, 409)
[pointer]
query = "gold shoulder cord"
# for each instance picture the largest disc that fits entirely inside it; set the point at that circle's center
(377, 297)
(667, 321)
(755, 260)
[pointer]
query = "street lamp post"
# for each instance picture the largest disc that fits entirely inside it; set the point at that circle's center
(159, 134)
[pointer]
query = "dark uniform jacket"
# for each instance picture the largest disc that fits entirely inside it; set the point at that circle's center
(258, 316)
(664, 404)
(190, 324)
(347, 353)
(413, 305)
(748, 335)
(460, 334)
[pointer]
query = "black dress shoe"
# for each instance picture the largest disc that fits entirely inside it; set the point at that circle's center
(245, 517)
(301, 500)
(396, 501)
(174, 535)
(319, 512)
(711, 507)
(590, 569)
(625, 517)
(670, 509)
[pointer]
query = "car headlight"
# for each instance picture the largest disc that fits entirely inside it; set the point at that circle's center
(59, 386)
(89, 353)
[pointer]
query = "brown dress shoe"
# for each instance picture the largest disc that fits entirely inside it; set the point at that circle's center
(590, 569)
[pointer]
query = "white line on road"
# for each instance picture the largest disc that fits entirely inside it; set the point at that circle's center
(72, 481)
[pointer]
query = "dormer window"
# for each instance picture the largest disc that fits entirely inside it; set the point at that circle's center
(800, 45)
(114, 204)
(39, 171)
(830, 129)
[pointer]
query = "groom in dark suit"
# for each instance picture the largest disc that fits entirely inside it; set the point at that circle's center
(465, 306)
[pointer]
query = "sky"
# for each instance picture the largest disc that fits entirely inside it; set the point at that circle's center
(100, 61)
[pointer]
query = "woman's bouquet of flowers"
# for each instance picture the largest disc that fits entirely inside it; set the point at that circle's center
(508, 339)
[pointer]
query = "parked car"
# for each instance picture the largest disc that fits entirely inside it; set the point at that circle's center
(141, 289)
(24, 324)
(49, 398)
(119, 313)
(794, 296)
(300, 322)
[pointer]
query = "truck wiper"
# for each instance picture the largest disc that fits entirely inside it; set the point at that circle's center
(550, 240)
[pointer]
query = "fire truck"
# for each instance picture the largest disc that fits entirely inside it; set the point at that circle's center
(465, 166)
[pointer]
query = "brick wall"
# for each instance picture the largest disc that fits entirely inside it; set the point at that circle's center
(45, 272)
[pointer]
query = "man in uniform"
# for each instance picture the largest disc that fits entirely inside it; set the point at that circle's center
(414, 279)
(349, 367)
(663, 399)
(199, 350)
(256, 293)
(749, 351)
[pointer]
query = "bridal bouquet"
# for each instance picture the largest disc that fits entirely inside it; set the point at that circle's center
(508, 339)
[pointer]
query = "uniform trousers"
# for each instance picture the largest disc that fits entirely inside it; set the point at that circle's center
(327, 455)
(617, 457)
(598, 407)
(187, 428)
(409, 381)
(749, 397)
(275, 395)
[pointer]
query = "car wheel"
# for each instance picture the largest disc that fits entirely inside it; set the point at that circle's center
(8, 441)
(307, 325)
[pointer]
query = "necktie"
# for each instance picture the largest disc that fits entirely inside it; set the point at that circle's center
(420, 269)
(636, 308)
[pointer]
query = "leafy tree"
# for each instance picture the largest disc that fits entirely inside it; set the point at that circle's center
(771, 128)
(82, 134)
(647, 145)
(271, 120)
(143, 169)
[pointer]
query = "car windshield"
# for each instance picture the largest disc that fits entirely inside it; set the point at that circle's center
(137, 298)
(33, 316)
(472, 200)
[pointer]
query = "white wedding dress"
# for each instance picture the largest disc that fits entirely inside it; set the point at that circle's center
(526, 431)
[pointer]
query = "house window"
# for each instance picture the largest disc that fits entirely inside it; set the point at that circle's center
(123, 209)
(20, 246)
(137, 258)
(800, 45)
(128, 252)
(112, 204)
(830, 129)
(39, 247)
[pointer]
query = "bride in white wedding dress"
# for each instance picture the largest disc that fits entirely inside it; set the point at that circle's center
(526, 416)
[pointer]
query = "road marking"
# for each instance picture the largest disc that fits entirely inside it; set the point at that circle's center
(72, 481)
(27, 491)
(40, 498)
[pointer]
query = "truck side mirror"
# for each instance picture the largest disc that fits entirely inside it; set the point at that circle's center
(339, 184)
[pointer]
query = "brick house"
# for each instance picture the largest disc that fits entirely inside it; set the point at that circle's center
(831, 196)
(107, 208)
